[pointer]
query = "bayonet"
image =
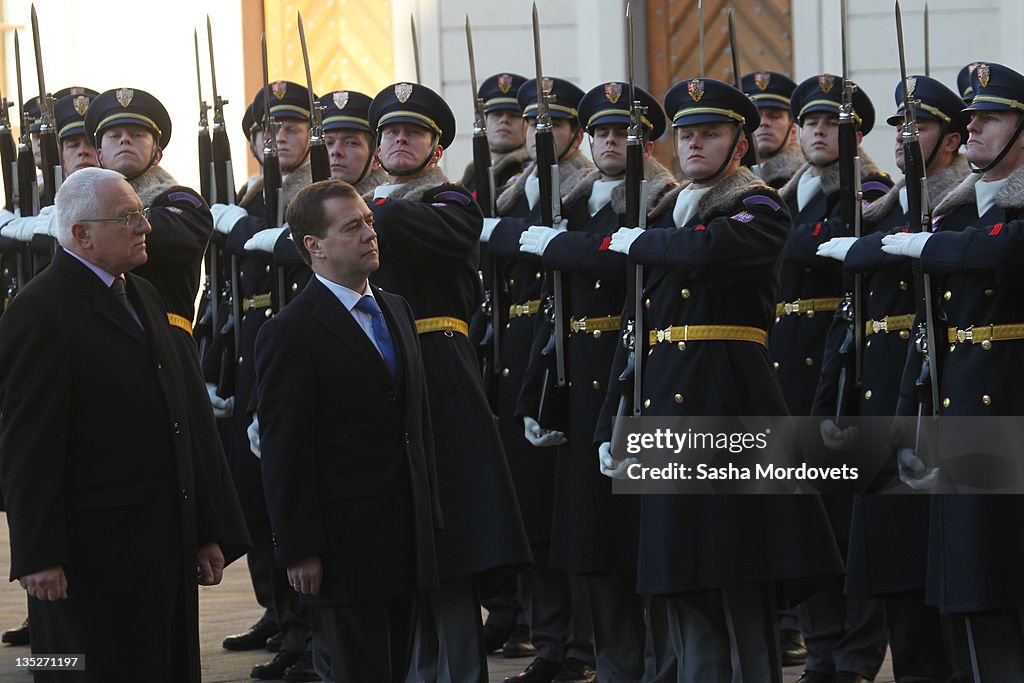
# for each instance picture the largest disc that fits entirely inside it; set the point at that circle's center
(205, 143)
(8, 153)
(927, 49)
(415, 48)
(223, 179)
(52, 173)
(700, 28)
(750, 158)
(319, 164)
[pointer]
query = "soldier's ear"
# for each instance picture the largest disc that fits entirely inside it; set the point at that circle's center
(158, 156)
(860, 136)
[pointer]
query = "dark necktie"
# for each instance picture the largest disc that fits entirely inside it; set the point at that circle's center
(381, 335)
(119, 288)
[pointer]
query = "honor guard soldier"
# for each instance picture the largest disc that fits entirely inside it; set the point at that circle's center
(506, 132)
(776, 138)
(889, 534)
(594, 534)
(427, 231)
(289, 106)
(963, 82)
(712, 254)
(559, 628)
(976, 548)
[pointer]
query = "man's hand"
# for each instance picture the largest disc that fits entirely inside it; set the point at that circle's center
(210, 564)
(46, 584)
(253, 432)
(305, 576)
(836, 438)
(905, 243)
(264, 240)
(537, 238)
(837, 248)
(623, 239)
(610, 467)
(225, 216)
(540, 437)
(222, 407)
(914, 472)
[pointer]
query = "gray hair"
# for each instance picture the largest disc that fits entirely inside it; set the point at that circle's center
(78, 198)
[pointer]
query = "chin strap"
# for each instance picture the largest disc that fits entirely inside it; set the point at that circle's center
(785, 141)
(1006, 150)
(938, 143)
(725, 162)
(402, 174)
(152, 160)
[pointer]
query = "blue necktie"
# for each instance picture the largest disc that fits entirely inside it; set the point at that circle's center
(381, 334)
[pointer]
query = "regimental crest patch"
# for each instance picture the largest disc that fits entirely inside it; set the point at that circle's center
(613, 91)
(825, 82)
(911, 85)
(505, 83)
(743, 217)
(984, 74)
(81, 104)
(696, 89)
(762, 79)
(124, 96)
(340, 99)
(279, 88)
(403, 91)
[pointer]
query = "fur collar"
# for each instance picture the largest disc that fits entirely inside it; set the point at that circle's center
(721, 200)
(371, 181)
(151, 184)
(414, 189)
(829, 176)
(572, 170)
(1010, 197)
(291, 184)
(659, 180)
(502, 163)
(939, 185)
(781, 167)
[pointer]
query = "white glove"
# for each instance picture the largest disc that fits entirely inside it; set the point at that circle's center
(836, 248)
(610, 467)
(540, 437)
(222, 407)
(6, 216)
(489, 225)
(264, 240)
(537, 238)
(835, 437)
(46, 222)
(225, 216)
(905, 243)
(20, 229)
(253, 432)
(623, 239)
(914, 472)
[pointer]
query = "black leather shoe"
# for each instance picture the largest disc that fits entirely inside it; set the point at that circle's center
(274, 642)
(302, 670)
(495, 637)
(518, 645)
(814, 677)
(539, 671)
(849, 677)
(274, 669)
(575, 671)
(253, 639)
(16, 636)
(794, 652)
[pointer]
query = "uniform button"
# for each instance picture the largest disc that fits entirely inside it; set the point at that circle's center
(597, 284)
(871, 293)
(647, 403)
(777, 319)
(596, 384)
(536, 276)
(952, 348)
(681, 346)
(867, 343)
(775, 365)
(512, 282)
(184, 494)
(808, 361)
(240, 360)
(904, 334)
(7, 271)
(295, 286)
(268, 268)
(597, 334)
(267, 312)
(177, 428)
(508, 326)
(678, 398)
(989, 292)
(159, 366)
(647, 303)
(810, 314)
(945, 403)
(903, 285)
(685, 293)
(407, 439)
(504, 373)
(986, 345)
(948, 295)
(570, 384)
(986, 400)
(867, 395)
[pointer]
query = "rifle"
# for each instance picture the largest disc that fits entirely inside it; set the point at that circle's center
(8, 153)
(631, 379)
(319, 164)
(483, 180)
(272, 200)
(850, 196)
(750, 158)
(25, 170)
(550, 212)
(52, 170)
(920, 220)
(205, 143)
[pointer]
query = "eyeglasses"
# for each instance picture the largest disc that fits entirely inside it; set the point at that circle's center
(131, 220)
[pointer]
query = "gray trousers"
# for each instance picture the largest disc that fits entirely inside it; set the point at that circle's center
(448, 642)
(843, 633)
(617, 613)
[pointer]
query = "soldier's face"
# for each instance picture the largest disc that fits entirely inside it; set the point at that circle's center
(115, 247)
(404, 146)
(704, 147)
(127, 149)
(347, 253)
(76, 153)
(37, 150)
(775, 129)
(608, 148)
(989, 132)
(348, 151)
(929, 135)
(256, 145)
(506, 130)
(565, 136)
(819, 138)
(292, 143)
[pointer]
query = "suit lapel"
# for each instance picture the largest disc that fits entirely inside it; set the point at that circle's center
(103, 301)
(330, 313)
